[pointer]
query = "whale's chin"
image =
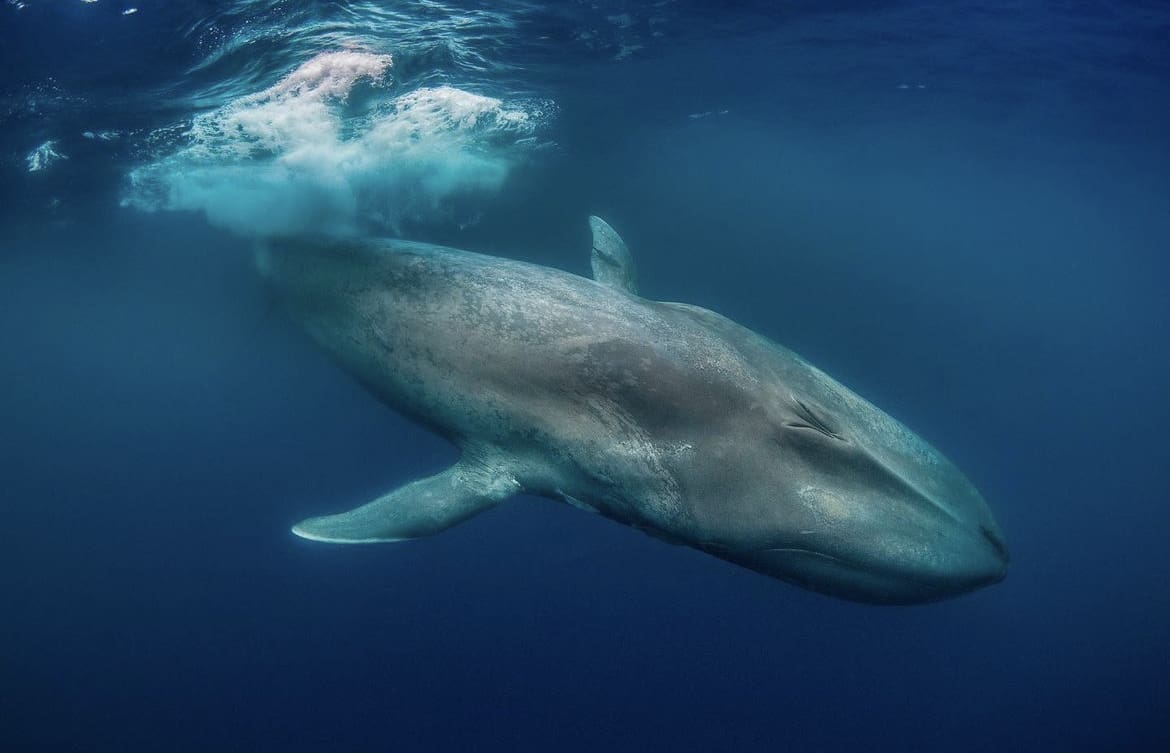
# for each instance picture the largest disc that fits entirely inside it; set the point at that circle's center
(865, 583)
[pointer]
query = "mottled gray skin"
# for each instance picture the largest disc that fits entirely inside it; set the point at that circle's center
(662, 416)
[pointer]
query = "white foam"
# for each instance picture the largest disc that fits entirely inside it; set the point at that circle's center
(43, 157)
(286, 160)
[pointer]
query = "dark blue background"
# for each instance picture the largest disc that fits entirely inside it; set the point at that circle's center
(985, 258)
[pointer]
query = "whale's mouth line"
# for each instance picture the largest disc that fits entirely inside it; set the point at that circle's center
(856, 566)
(996, 542)
(813, 552)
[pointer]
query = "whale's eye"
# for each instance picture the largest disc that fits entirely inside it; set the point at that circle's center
(807, 418)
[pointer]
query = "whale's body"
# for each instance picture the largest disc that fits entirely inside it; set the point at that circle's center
(662, 416)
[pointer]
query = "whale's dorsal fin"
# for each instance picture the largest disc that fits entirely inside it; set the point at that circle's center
(612, 263)
(418, 509)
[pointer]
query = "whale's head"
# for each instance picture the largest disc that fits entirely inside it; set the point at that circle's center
(854, 504)
(787, 472)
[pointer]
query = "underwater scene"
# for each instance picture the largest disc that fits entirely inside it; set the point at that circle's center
(591, 375)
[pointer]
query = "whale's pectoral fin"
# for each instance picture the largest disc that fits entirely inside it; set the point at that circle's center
(612, 263)
(418, 509)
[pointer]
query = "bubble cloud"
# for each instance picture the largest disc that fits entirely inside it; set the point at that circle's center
(297, 158)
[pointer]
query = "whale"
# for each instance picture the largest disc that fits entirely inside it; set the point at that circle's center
(665, 417)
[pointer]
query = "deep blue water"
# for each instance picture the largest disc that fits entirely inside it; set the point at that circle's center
(961, 210)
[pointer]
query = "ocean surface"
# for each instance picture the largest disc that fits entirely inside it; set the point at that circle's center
(961, 210)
